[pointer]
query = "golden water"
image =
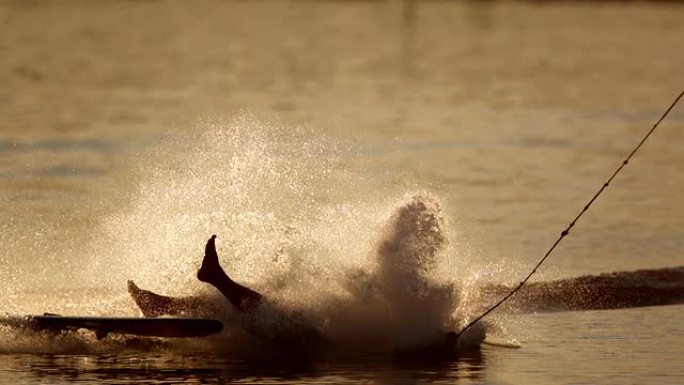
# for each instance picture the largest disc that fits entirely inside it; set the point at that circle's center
(131, 131)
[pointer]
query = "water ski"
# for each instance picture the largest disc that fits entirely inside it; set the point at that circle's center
(147, 327)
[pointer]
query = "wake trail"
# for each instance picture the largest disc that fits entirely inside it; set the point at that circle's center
(616, 290)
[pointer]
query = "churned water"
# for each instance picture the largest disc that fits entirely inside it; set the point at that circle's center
(378, 170)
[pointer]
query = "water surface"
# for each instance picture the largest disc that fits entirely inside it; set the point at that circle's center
(508, 114)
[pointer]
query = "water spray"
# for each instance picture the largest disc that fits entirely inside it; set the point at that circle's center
(565, 232)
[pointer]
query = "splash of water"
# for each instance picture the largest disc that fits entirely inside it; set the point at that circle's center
(335, 250)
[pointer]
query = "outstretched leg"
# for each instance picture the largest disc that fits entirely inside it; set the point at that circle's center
(155, 305)
(244, 299)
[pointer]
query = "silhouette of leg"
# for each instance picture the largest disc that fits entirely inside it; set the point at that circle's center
(155, 305)
(244, 299)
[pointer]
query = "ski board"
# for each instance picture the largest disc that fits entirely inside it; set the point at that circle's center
(148, 327)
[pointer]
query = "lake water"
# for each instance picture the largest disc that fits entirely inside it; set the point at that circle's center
(296, 131)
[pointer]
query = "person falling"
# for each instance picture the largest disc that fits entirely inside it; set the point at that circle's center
(241, 297)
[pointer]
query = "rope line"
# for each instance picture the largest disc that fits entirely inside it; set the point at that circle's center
(565, 232)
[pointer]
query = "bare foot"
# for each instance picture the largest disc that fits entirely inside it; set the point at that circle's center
(211, 270)
(241, 297)
(155, 305)
(151, 304)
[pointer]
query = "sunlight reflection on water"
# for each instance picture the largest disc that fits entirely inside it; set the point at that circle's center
(512, 113)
